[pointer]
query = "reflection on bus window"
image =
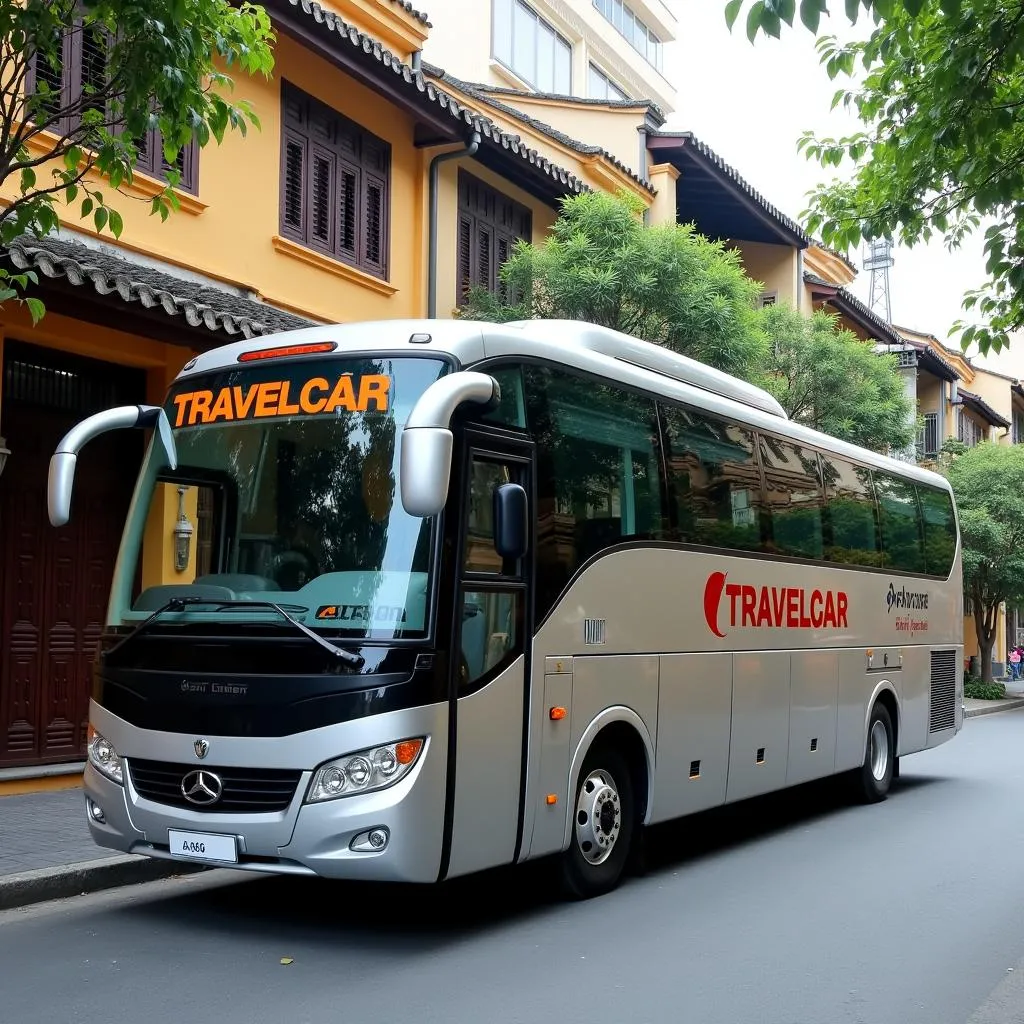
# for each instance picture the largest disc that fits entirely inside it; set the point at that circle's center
(793, 498)
(852, 514)
(902, 545)
(597, 472)
(713, 480)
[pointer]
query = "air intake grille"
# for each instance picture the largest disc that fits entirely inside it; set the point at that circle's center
(943, 691)
(245, 790)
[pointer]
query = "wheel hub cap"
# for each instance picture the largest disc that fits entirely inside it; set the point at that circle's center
(879, 751)
(598, 817)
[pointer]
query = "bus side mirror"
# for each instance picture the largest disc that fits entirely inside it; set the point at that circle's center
(511, 522)
(427, 442)
(61, 480)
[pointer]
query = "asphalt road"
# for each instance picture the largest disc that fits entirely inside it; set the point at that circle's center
(793, 909)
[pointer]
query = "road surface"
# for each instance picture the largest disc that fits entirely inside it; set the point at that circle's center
(797, 908)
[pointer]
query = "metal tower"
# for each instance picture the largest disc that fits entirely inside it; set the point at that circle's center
(878, 260)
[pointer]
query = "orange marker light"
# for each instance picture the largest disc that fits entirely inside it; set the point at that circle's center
(552, 799)
(407, 750)
(288, 350)
(557, 714)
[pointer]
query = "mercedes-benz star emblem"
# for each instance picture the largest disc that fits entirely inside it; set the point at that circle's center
(202, 788)
(202, 748)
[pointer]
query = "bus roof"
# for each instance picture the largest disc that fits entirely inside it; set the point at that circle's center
(584, 346)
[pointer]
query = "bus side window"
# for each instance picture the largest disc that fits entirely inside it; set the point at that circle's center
(794, 498)
(853, 517)
(902, 542)
(511, 409)
(598, 472)
(714, 481)
(939, 529)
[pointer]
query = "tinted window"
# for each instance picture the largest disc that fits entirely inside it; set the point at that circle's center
(511, 408)
(939, 529)
(793, 498)
(714, 483)
(852, 515)
(902, 548)
(597, 474)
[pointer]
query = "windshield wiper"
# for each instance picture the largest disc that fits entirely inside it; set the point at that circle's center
(348, 657)
(179, 604)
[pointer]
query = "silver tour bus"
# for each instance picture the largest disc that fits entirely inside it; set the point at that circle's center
(408, 600)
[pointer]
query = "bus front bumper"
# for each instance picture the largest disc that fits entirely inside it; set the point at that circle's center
(391, 834)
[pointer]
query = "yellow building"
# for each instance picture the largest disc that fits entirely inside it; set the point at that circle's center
(370, 192)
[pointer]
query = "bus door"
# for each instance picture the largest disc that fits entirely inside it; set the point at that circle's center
(493, 611)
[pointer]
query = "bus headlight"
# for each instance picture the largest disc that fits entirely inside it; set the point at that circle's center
(104, 758)
(364, 771)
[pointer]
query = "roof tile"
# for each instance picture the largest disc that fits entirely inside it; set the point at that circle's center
(200, 306)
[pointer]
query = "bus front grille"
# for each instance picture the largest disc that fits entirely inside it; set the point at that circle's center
(943, 709)
(242, 790)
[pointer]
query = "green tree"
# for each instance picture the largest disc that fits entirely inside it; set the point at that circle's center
(665, 284)
(938, 86)
(828, 378)
(146, 64)
(988, 481)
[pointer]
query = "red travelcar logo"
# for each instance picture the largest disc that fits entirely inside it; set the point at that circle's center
(772, 607)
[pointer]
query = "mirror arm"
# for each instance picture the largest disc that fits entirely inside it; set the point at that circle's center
(63, 461)
(438, 404)
(427, 441)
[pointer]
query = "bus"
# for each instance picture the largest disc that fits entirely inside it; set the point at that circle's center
(408, 600)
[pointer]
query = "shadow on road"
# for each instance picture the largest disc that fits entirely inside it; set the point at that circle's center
(400, 918)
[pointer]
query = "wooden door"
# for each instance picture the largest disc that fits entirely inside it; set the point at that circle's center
(54, 583)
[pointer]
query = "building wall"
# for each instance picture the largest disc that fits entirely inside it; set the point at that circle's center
(615, 129)
(995, 390)
(461, 42)
(775, 266)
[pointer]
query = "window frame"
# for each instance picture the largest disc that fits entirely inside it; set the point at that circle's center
(620, 15)
(150, 160)
(594, 71)
(368, 161)
(507, 60)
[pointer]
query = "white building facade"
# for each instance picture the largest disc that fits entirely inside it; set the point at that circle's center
(610, 50)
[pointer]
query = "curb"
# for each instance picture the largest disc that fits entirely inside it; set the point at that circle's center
(57, 883)
(1001, 705)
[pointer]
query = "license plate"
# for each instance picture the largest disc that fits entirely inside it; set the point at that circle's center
(203, 846)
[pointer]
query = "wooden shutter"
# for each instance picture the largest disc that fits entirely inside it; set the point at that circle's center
(293, 207)
(321, 199)
(465, 255)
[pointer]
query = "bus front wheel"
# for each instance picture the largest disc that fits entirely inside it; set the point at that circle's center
(603, 825)
(876, 774)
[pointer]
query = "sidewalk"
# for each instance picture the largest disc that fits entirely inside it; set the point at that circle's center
(46, 852)
(1014, 699)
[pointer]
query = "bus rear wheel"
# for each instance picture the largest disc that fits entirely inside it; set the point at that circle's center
(874, 779)
(603, 826)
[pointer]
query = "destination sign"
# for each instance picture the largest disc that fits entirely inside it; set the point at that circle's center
(317, 396)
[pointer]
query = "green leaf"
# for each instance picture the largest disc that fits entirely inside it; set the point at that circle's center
(28, 179)
(86, 207)
(36, 310)
(732, 11)
(116, 224)
(70, 193)
(754, 19)
(810, 13)
(100, 218)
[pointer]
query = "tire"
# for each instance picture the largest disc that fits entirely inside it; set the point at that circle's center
(874, 779)
(604, 825)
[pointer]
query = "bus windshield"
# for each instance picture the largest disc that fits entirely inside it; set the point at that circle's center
(286, 491)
